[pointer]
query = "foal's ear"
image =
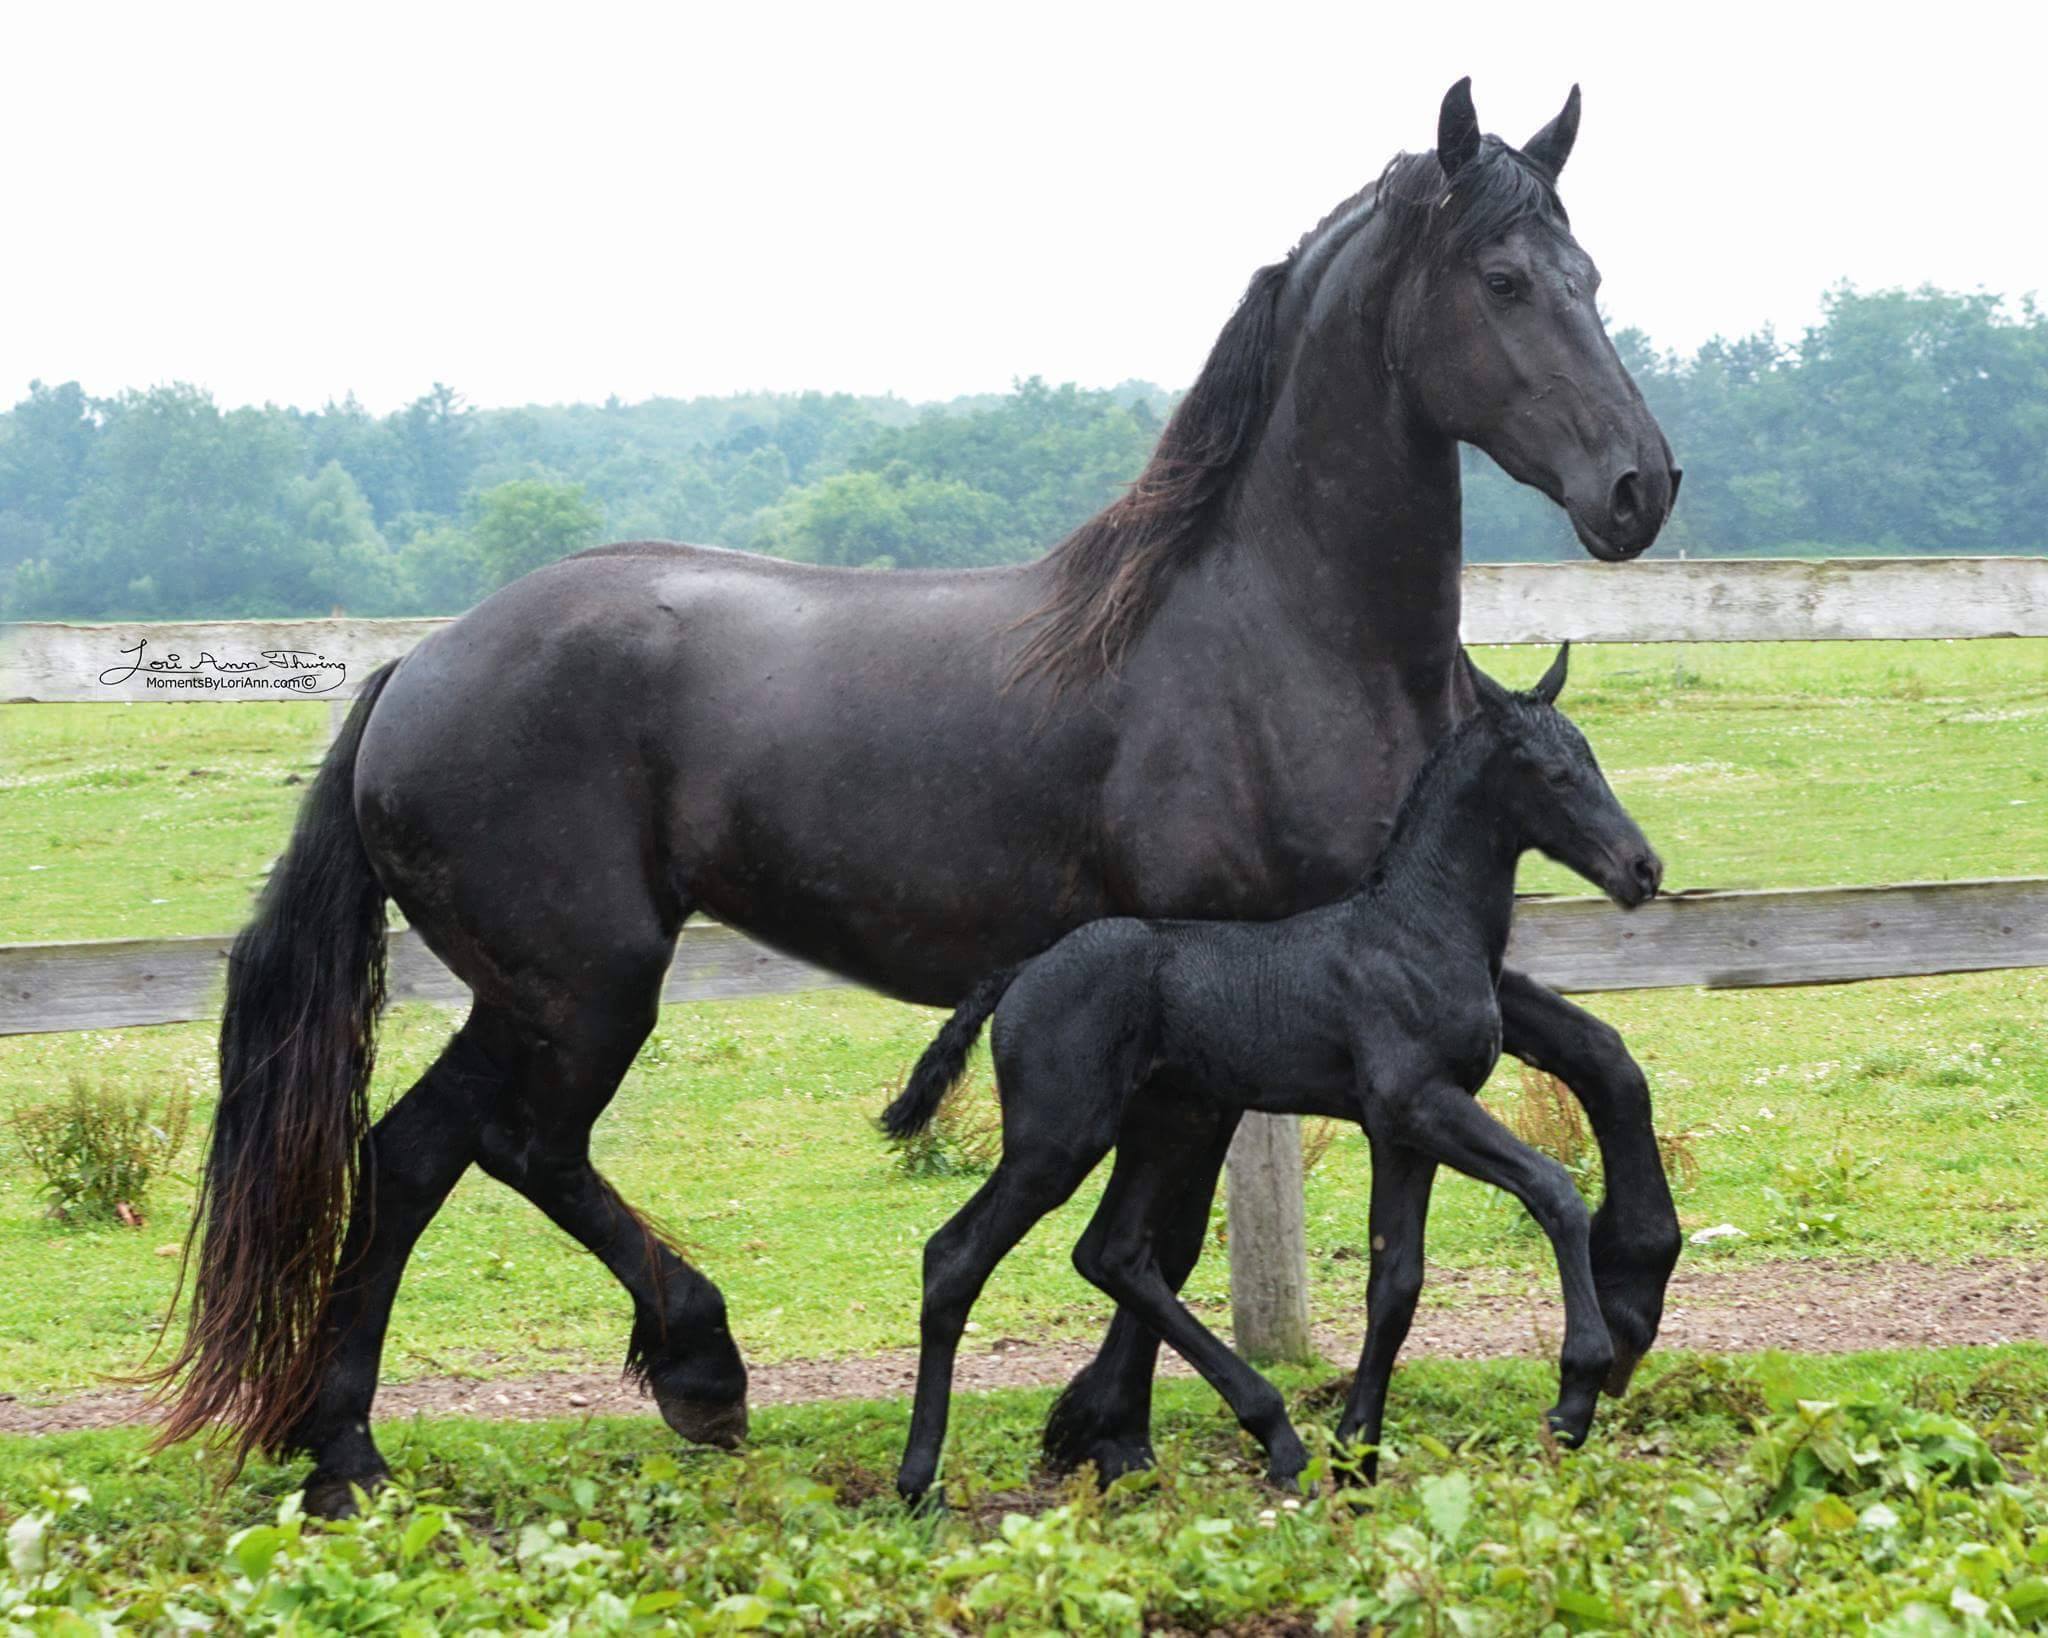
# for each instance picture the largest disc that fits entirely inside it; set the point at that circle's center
(1457, 129)
(1551, 683)
(1552, 146)
(1492, 697)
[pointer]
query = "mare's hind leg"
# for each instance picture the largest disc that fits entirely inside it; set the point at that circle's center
(1401, 1181)
(1104, 1416)
(412, 1158)
(536, 1139)
(1636, 1239)
(1118, 1254)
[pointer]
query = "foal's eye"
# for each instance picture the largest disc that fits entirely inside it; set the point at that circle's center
(1500, 284)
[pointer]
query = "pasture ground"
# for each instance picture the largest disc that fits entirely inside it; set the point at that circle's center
(1870, 1126)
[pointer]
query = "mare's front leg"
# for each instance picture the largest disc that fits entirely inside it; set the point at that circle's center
(1031, 1180)
(1443, 1121)
(1635, 1236)
(1401, 1181)
(1105, 1414)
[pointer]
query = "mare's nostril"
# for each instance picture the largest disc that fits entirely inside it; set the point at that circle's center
(1677, 473)
(1648, 871)
(1625, 501)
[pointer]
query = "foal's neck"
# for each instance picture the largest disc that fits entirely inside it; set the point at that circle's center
(1450, 864)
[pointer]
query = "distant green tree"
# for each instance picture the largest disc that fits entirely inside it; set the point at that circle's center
(349, 565)
(894, 519)
(179, 513)
(371, 449)
(44, 444)
(528, 522)
(441, 571)
(437, 432)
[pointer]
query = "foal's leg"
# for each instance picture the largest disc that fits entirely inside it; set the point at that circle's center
(1447, 1123)
(537, 1141)
(1401, 1181)
(1636, 1238)
(1105, 1414)
(1031, 1180)
(1117, 1255)
(412, 1158)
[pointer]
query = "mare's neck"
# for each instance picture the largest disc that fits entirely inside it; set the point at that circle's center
(1347, 513)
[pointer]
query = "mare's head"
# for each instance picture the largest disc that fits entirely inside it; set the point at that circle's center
(1544, 778)
(1496, 336)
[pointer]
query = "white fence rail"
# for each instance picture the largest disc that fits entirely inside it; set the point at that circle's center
(1718, 601)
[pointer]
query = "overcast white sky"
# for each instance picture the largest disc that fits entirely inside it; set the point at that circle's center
(287, 202)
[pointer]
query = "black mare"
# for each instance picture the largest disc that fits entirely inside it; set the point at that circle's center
(1204, 702)
(1379, 1008)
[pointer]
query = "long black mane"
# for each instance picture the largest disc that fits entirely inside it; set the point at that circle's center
(1109, 574)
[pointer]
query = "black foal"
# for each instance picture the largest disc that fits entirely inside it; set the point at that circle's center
(1380, 1008)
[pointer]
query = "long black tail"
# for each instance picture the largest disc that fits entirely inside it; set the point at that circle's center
(945, 1060)
(297, 1042)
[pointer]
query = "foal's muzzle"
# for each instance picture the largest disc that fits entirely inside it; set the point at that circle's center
(1639, 875)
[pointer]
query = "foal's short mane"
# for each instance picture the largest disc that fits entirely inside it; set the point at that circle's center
(1110, 574)
(1517, 715)
(1425, 791)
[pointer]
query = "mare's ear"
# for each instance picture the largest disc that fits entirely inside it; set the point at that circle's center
(1552, 146)
(1457, 129)
(1491, 695)
(1551, 683)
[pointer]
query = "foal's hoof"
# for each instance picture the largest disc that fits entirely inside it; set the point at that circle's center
(1567, 1429)
(333, 1495)
(929, 1503)
(704, 1421)
(1111, 1459)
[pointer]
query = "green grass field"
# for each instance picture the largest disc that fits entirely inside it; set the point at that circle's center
(1897, 1494)
(1899, 1119)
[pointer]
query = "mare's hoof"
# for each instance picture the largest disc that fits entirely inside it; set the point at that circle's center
(1286, 1475)
(704, 1421)
(1621, 1371)
(333, 1495)
(1286, 1461)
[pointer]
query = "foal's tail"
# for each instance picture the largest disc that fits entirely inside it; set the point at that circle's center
(297, 1039)
(945, 1060)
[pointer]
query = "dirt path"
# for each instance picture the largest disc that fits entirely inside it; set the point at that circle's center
(1816, 1307)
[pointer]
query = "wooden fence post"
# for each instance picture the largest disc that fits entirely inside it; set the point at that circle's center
(1268, 1241)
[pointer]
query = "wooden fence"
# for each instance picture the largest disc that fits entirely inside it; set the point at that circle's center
(1724, 940)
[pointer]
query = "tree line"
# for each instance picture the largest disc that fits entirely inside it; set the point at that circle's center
(1904, 421)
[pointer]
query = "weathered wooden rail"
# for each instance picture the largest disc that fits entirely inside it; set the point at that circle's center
(1723, 940)
(1739, 940)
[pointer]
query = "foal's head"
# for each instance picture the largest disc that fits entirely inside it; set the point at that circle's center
(1544, 778)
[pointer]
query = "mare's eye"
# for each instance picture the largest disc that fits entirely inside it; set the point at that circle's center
(1558, 776)
(1500, 284)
